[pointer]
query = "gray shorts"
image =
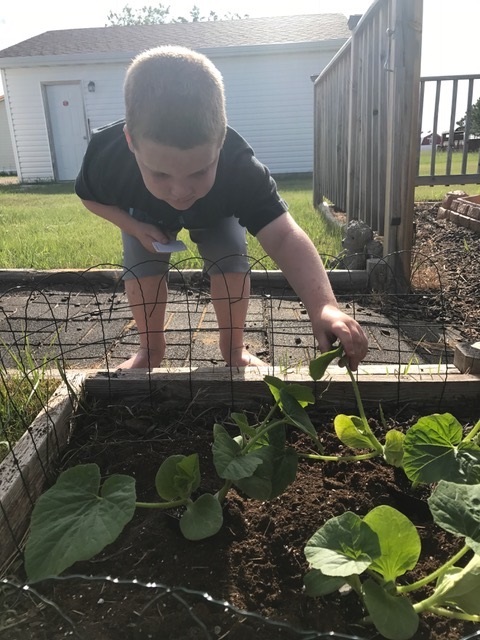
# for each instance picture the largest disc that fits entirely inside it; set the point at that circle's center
(223, 249)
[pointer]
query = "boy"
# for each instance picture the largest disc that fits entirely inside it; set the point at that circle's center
(175, 163)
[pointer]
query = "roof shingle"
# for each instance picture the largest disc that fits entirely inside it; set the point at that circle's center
(195, 35)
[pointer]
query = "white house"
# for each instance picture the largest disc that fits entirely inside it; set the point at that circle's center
(7, 157)
(61, 85)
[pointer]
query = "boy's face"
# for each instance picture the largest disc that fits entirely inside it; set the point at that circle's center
(177, 176)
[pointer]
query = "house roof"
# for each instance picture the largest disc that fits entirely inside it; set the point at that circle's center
(195, 35)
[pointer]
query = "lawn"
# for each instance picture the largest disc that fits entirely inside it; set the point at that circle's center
(45, 226)
(437, 192)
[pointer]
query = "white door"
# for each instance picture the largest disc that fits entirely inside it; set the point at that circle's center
(68, 130)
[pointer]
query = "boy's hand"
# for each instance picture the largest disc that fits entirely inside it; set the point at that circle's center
(332, 325)
(147, 234)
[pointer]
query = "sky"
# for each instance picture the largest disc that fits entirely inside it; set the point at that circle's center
(450, 27)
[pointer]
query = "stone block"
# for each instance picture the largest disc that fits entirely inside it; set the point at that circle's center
(463, 208)
(447, 200)
(475, 225)
(463, 221)
(451, 196)
(454, 205)
(442, 213)
(467, 357)
(377, 274)
(474, 212)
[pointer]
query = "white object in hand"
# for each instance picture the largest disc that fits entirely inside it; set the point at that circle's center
(169, 247)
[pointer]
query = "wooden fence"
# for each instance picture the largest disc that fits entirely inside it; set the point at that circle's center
(367, 126)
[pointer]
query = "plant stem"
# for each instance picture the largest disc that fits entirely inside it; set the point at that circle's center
(472, 433)
(361, 456)
(375, 443)
(457, 615)
(355, 582)
(432, 576)
(162, 505)
(262, 431)
(220, 495)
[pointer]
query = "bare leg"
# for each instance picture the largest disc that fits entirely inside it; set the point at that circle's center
(148, 299)
(230, 296)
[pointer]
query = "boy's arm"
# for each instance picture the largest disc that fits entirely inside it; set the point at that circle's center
(295, 254)
(145, 233)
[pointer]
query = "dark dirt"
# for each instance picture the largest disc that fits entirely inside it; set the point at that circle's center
(255, 562)
(447, 268)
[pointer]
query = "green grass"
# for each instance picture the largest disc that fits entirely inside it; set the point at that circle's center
(45, 226)
(436, 193)
(24, 392)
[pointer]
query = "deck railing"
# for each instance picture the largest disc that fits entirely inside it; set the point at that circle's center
(451, 151)
(367, 126)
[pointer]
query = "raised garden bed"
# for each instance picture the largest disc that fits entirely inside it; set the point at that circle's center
(26, 469)
(152, 582)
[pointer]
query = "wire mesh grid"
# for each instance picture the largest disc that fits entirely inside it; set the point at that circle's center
(82, 320)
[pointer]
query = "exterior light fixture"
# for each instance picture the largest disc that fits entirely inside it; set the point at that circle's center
(91, 86)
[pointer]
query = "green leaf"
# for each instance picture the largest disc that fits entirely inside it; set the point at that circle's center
(432, 450)
(75, 519)
(297, 415)
(344, 546)
(351, 431)
(460, 587)
(275, 385)
(277, 471)
(241, 421)
(393, 449)
(456, 508)
(400, 543)
(202, 518)
(468, 459)
(319, 366)
(228, 459)
(302, 394)
(393, 616)
(178, 477)
(317, 584)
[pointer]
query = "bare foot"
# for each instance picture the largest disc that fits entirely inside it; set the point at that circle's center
(144, 359)
(242, 358)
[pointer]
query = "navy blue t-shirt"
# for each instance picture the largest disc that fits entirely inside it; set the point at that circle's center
(243, 186)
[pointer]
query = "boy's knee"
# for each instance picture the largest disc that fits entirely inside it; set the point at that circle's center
(223, 247)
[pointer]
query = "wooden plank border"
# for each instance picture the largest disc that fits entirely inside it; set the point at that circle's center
(430, 387)
(25, 470)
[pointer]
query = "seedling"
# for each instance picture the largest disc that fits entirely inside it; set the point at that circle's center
(432, 449)
(76, 518)
(370, 554)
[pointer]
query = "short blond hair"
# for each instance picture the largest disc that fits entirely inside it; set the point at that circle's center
(175, 96)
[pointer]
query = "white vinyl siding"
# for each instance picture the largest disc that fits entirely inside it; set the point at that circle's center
(269, 102)
(28, 109)
(7, 158)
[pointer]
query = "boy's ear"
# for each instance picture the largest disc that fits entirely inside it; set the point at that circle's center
(129, 140)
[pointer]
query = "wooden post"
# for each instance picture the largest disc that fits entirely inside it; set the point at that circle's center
(403, 65)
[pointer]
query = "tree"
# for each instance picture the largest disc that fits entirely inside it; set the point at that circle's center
(160, 14)
(474, 119)
(145, 15)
